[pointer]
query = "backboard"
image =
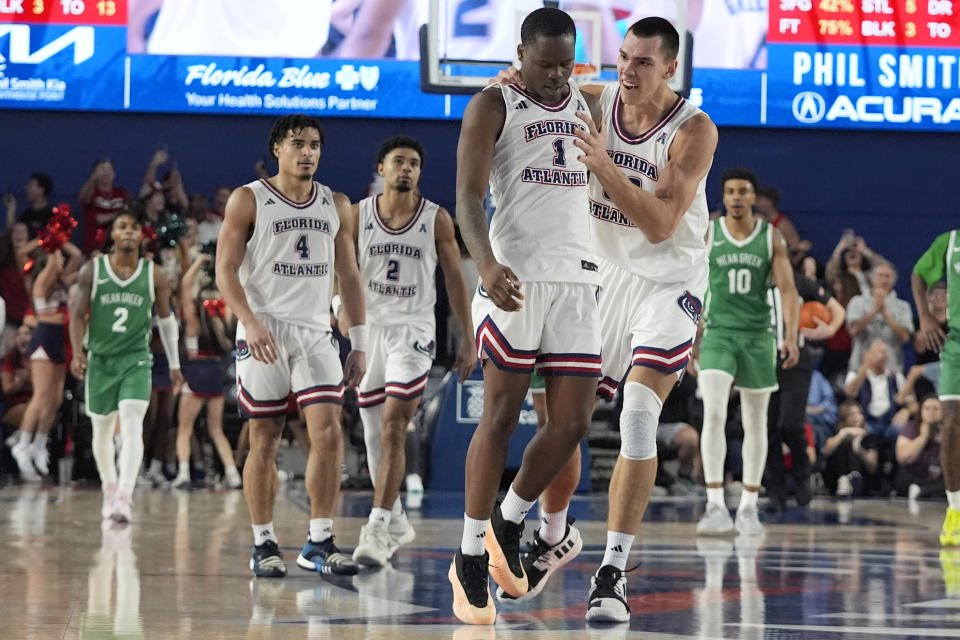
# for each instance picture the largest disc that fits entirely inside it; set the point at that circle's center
(466, 42)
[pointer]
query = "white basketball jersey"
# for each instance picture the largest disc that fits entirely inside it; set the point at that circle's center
(642, 159)
(245, 28)
(287, 271)
(398, 265)
(539, 228)
(731, 35)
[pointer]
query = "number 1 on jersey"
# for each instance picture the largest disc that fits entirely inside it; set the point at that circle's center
(302, 247)
(559, 154)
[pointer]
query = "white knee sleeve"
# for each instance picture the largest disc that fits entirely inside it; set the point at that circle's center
(753, 409)
(131, 432)
(372, 419)
(715, 391)
(103, 449)
(638, 422)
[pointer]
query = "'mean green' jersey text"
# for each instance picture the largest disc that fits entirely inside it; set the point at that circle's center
(739, 278)
(120, 310)
(943, 258)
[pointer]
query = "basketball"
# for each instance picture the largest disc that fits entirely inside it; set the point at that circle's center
(811, 310)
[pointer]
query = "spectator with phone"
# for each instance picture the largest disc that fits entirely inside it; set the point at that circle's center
(853, 256)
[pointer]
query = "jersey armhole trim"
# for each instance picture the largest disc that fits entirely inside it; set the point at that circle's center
(150, 280)
(951, 248)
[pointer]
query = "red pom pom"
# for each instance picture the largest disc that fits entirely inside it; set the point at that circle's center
(58, 229)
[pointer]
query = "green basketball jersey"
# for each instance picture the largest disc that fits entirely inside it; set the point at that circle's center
(943, 258)
(120, 310)
(740, 275)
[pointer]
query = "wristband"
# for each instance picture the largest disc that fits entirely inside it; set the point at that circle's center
(358, 337)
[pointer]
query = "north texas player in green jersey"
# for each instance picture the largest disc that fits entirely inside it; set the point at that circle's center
(943, 259)
(113, 309)
(738, 344)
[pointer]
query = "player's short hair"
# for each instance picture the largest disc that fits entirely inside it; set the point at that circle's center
(44, 181)
(770, 194)
(547, 22)
(295, 122)
(400, 142)
(739, 173)
(652, 27)
(137, 213)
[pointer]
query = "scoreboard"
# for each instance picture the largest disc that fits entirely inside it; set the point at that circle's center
(849, 64)
(75, 12)
(915, 23)
(865, 63)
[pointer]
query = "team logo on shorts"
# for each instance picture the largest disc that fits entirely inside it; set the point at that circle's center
(243, 351)
(691, 306)
(426, 350)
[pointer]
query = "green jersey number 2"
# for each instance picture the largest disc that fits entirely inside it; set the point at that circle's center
(120, 324)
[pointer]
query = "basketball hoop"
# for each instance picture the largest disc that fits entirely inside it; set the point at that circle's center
(585, 69)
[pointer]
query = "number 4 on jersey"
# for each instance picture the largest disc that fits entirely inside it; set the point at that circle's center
(302, 247)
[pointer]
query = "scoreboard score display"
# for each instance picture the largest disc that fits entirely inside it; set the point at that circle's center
(851, 64)
(874, 63)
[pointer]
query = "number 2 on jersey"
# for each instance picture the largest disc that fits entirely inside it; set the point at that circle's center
(393, 270)
(119, 326)
(302, 247)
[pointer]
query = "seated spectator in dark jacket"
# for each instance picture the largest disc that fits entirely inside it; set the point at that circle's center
(851, 456)
(821, 408)
(918, 453)
(874, 386)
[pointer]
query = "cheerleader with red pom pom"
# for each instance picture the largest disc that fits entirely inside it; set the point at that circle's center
(52, 269)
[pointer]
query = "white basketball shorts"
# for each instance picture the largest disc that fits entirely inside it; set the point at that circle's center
(398, 362)
(308, 364)
(557, 332)
(646, 323)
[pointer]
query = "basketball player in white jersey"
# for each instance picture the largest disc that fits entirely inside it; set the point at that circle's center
(400, 238)
(648, 166)
(282, 242)
(535, 307)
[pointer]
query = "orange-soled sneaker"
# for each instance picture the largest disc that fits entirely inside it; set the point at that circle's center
(472, 603)
(502, 541)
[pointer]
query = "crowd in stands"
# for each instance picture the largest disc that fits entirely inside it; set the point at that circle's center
(872, 419)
